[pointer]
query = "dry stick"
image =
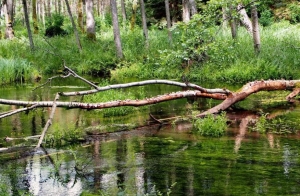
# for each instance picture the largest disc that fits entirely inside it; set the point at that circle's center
(50, 79)
(49, 122)
(146, 82)
(81, 78)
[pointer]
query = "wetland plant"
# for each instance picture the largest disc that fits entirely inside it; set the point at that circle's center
(214, 126)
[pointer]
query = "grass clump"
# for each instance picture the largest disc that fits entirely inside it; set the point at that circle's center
(16, 70)
(214, 126)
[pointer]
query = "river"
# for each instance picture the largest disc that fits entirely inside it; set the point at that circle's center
(149, 160)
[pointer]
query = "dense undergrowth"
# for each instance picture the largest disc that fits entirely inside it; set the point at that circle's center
(220, 60)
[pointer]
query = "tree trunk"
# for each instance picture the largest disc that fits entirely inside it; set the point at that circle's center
(27, 24)
(168, 20)
(144, 21)
(193, 7)
(48, 8)
(90, 22)
(245, 19)
(123, 12)
(8, 9)
(117, 36)
(256, 35)
(74, 26)
(34, 18)
(233, 26)
(185, 11)
(1, 13)
(80, 15)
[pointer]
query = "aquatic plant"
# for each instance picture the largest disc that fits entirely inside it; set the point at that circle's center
(211, 125)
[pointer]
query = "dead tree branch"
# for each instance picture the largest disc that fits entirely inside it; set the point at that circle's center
(49, 122)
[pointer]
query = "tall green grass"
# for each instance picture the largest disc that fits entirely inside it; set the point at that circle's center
(228, 60)
(15, 70)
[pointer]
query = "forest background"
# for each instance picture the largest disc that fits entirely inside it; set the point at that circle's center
(184, 40)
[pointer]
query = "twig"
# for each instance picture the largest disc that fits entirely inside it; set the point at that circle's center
(49, 122)
(81, 78)
(50, 79)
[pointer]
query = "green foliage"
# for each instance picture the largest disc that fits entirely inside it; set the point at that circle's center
(211, 125)
(54, 25)
(294, 9)
(266, 18)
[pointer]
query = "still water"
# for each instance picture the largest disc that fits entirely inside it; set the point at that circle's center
(152, 160)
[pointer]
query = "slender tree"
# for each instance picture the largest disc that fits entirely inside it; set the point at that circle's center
(8, 10)
(144, 22)
(74, 26)
(123, 12)
(117, 36)
(27, 24)
(245, 20)
(168, 20)
(1, 12)
(34, 18)
(232, 21)
(90, 21)
(185, 11)
(256, 35)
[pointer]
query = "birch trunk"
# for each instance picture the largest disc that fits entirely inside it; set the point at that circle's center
(245, 20)
(8, 9)
(185, 11)
(90, 21)
(256, 35)
(116, 29)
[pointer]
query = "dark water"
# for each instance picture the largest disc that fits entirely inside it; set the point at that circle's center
(168, 160)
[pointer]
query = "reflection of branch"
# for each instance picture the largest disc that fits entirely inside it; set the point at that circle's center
(242, 131)
(9, 113)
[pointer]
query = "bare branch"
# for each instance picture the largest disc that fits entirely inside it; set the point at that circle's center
(49, 122)
(146, 82)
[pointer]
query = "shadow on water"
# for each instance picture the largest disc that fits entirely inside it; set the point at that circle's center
(153, 160)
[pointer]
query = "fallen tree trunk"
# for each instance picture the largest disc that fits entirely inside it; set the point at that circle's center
(230, 98)
(254, 87)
